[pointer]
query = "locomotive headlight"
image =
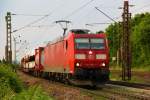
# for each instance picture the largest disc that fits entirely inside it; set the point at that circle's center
(80, 56)
(103, 64)
(101, 56)
(77, 64)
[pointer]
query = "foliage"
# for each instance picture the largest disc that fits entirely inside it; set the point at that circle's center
(113, 37)
(11, 88)
(5, 90)
(6, 72)
(9, 82)
(33, 93)
(140, 39)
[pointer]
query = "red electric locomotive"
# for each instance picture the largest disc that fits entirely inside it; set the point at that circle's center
(79, 57)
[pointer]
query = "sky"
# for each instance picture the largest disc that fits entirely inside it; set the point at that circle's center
(79, 12)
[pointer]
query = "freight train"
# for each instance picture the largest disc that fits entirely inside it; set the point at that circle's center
(78, 57)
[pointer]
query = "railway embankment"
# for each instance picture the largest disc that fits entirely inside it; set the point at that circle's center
(60, 91)
(56, 90)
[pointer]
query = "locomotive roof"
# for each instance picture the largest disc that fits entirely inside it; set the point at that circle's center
(80, 31)
(75, 31)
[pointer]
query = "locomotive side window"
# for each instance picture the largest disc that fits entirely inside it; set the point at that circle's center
(82, 43)
(97, 43)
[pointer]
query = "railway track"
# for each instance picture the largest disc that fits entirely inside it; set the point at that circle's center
(127, 93)
(134, 85)
(110, 92)
(116, 90)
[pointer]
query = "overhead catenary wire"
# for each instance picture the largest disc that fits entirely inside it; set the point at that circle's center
(78, 9)
(136, 10)
(43, 17)
(26, 14)
(105, 14)
(110, 19)
(35, 21)
(42, 26)
(97, 23)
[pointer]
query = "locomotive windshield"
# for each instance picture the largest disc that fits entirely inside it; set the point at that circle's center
(89, 43)
(82, 43)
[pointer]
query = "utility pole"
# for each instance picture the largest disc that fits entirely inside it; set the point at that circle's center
(63, 26)
(15, 43)
(14, 50)
(126, 49)
(8, 47)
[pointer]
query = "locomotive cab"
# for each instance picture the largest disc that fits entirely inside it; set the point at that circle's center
(91, 56)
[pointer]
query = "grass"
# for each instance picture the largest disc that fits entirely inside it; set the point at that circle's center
(143, 69)
(137, 68)
(136, 78)
(33, 93)
(11, 87)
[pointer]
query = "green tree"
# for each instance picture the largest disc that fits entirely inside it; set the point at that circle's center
(113, 33)
(140, 39)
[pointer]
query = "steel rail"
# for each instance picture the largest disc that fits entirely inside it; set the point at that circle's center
(134, 85)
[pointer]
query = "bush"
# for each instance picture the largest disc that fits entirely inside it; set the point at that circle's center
(13, 81)
(11, 88)
(5, 90)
